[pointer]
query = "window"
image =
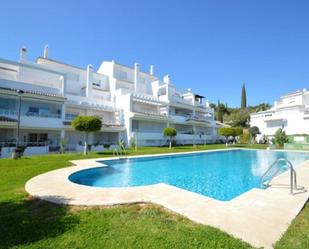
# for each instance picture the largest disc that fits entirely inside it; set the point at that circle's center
(33, 137)
(292, 100)
(37, 137)
(44, 111)
(134, 125)
(33, 109)
(43, 137)
(7, 103)
(96, 84)
(70, 116)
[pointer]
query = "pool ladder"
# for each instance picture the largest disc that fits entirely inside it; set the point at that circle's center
(293, 180)
(120, 152)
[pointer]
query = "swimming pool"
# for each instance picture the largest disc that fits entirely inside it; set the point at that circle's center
(221, 175)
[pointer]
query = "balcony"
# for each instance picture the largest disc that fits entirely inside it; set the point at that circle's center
(179, 118)
(81, 101)
(184, 118)
(180, 99)
(150, 113)
(151, 107)
(70, 116)
(112, 123)
(34, 119)
(200, 118)
(146, 98)
(5, 112)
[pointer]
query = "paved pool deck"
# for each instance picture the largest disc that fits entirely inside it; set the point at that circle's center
(259, 216)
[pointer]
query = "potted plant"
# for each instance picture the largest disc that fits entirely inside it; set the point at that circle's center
(18, 152)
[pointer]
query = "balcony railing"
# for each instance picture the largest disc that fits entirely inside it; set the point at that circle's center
(70, 117)
(41, 115)
(147, 130)
(199, 118)
(30, 114)
(8, 112)
(111, 123)
(12, 143)
(106, 123)
(150, 113)
(180, 99)
(185, 117)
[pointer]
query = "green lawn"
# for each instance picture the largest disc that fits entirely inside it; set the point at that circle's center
(28, 223)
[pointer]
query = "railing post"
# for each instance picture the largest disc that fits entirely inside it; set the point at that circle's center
(291, 180)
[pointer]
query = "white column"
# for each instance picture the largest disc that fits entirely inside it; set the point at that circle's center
(151, 69)
(89, 81)
(63, 112)
(63, 85)
(194, 135)
(131, 103)
(62, 134)
(45, 51)
(136, 73)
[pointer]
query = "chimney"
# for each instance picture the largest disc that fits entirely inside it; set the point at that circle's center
(89, 81)
(166, 79)
(23, 54)
(136, 73)
(151, 69)
(63, 84)
(45, 51)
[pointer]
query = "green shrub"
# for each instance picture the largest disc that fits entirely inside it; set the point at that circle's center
(281, 137)
(226, 131)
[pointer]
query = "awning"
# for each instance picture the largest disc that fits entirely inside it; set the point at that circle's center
(149, 102)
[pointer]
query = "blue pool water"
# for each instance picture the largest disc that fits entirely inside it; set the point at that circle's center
(222, 175)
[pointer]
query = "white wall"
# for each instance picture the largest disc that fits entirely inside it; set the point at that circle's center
(288, 112)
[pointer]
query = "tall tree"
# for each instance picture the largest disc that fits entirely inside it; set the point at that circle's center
(219, 112)
(243, 97)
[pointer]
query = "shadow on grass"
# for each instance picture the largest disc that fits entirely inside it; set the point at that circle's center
(107, 153)
(26, 221)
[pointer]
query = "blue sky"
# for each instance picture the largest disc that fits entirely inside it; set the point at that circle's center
(212, 47)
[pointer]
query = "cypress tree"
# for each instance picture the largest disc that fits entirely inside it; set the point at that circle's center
(243, 97)
(219, 112)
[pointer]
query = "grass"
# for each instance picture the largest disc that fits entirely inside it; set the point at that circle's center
(28, 223)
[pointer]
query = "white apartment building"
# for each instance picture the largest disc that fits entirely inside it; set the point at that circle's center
(134, 105)
(290, 112)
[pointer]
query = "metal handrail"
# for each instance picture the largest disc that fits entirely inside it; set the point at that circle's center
(293, 180)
